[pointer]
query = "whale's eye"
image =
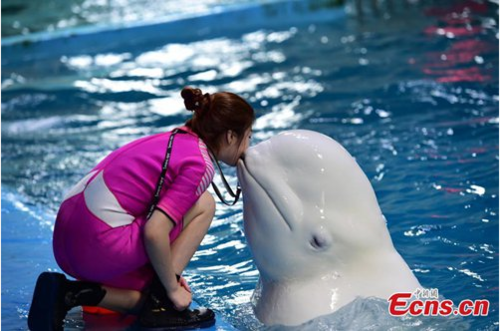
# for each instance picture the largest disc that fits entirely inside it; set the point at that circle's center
(320, 241)
(321, 238)
(316, 243)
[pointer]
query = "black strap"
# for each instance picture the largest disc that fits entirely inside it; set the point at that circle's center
(161, 180)
(236, 195)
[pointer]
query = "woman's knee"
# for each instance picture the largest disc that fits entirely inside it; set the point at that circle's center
(208, 204)
(203, 210)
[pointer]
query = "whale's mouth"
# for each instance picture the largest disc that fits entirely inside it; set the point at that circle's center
(246, 172)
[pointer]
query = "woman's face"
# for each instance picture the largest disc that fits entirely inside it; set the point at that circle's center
(232, 148)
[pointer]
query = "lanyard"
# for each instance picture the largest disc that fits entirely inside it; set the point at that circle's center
(236, 195)
(161, 180)
(159, 184)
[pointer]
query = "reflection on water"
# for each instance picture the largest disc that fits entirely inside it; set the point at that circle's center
(21, 17)
(417, 107)
(460, 23)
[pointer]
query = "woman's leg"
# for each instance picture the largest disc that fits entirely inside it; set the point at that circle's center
(122, 301)
(196, 223)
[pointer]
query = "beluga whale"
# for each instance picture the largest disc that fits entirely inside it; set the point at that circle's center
(315, 229)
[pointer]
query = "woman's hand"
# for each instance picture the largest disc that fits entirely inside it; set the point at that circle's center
(181, 298)
(158, 247)
(183, 283)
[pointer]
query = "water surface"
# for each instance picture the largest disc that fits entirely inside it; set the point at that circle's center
(412, 94)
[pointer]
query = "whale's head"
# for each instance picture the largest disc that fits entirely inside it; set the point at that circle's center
(307, 206)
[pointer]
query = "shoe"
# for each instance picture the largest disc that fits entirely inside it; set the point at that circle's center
(54, 296)
(158, 313)
(48, 310)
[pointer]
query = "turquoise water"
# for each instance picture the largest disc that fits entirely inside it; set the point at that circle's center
(412, 94)
(26, 17)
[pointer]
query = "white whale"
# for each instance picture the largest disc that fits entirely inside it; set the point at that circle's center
(315, 229)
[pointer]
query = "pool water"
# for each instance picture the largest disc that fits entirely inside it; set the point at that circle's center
(411, 92)
(27, 17)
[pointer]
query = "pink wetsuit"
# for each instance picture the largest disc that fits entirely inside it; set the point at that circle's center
(98, 235)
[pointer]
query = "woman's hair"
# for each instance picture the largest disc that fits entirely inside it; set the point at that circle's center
(215, 114)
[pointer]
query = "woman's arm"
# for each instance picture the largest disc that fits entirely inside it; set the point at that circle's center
(156, 238)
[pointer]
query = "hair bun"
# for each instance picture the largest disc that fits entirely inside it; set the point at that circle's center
(194, 99)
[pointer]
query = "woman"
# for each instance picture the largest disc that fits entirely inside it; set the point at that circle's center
(106, 236)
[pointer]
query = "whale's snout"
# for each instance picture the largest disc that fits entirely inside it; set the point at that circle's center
(249, 159)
